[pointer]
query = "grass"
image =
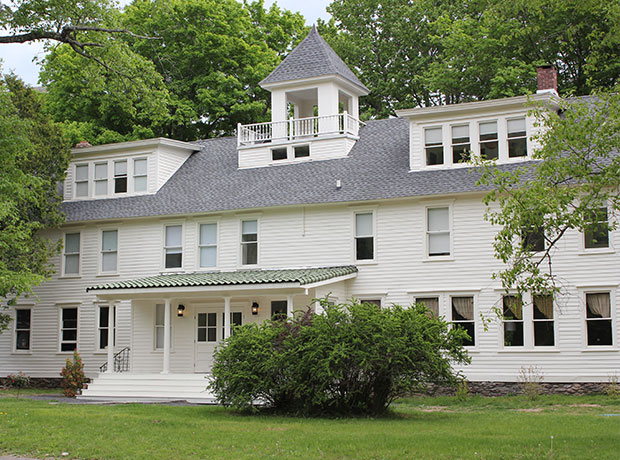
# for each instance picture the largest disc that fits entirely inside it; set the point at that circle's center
(418, 428)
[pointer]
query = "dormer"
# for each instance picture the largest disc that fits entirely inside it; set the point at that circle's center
(314, 109)
(124, 169)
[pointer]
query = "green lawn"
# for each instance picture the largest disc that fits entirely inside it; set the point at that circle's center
(421, 428)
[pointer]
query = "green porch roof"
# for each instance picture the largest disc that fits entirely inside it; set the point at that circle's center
(294, 275)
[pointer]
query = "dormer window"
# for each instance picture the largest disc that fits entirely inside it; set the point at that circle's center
(139, 175)
(433, 146)
(81, 181)
(517, 139)
(279, 154)
(488, 140)
(461, 148)
(120, 176)
(101, 178)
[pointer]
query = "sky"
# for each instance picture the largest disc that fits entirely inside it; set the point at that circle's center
(19, 57)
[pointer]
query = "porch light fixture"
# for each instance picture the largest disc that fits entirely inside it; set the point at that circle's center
(181, 311)
(254, 308)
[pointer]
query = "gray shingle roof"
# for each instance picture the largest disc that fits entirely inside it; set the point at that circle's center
(290, 275)
(377, 168)
(313, 57)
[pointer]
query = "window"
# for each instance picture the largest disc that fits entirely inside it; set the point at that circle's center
(208, 245)
(207, 327)
(364, 240)
(249, 242)
(302, 151)
(278, 309)
(72, 253)
(533, 239)
(160, 312)
(120, 176)
(81, 180)
(463, 317)
(68, 329)
(598, 319)
(279, 154)
(488, 140)
(235, 320)
(376, 302)
(173, 248)
(438, 231)
(139, 175)
(22, 329)
(543, 321)
(109, 250)
(433, 146)
(513, 321)
(517, 140)
(104, 326)
(597, 235)
(461, 148)
(101, 179)
(431, 303)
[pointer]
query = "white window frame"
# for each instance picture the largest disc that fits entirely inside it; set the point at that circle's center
(430, 295)
(452, 144)
(100, 328)
(427, 257)
(612, 307)
(241, 243)
(106, 179)
(448, 313)
(216, 245)
(134, 175)
(441, 127)
(478, 142)
(528, 335)
(61, 308)
(164, 247)
(528, 317)
(87, 181)
(102, 252)
(65, 253)
(373, 213)
(126, 176)
(526, 137)
(605, 250)
(16, 330)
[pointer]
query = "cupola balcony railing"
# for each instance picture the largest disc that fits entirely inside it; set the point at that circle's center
(297, 129)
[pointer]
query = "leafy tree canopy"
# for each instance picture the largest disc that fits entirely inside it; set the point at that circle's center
(33, 161)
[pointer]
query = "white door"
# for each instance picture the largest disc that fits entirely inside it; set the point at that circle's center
(208, 334)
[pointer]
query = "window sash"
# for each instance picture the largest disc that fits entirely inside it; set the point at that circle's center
(438, 231)
(103, 327)
(249, 242)
(68, 329)
(160, 312)
(23, 326)
(72, 254)
(140, 175)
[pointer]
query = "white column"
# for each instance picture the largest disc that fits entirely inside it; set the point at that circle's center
(166, 368)
(289, 306)
(226, 317)
(111, 308)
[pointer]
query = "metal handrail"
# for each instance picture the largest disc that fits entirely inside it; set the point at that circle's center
(121, 361)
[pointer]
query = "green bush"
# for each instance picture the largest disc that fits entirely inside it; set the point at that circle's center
(73, 377)
(354, 358)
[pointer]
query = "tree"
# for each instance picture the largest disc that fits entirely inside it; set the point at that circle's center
(578, 176)
(33, 161)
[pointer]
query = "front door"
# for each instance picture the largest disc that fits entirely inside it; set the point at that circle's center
(208, 334)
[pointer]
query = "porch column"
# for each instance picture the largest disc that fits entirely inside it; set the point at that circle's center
(226, 317)
(166, 368)
(111, 325)
(289, 306)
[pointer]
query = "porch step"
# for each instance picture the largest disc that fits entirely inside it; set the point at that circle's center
(127, 387)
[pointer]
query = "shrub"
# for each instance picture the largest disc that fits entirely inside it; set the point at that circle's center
(18, 381)
(531, 379)
(354, 358)
(73, 378)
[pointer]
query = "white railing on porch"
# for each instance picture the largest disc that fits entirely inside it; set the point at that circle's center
(297, 128)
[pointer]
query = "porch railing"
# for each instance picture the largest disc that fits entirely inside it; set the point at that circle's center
(297, 128)
(121, 361)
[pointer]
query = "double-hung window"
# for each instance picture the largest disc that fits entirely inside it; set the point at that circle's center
(438, 231)
(517, 139)
(364, 239)
(543, 321)
(533, 239)
(109, 251)
(101, 179)
(597, 235)
(104, 326)
(431, 304)
(81, 181)
(173, 248)
(488, 140)
(461, 148)
(463, 317)
(433, 146)
(160, 312)
(513, 321)
(208, 245)
(68, 329)
(139, 175)
(249, 242)
(23, 317)
(598, 319)
(72, 254)
(120, 176)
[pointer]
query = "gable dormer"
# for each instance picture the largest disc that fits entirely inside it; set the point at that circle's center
(314, 109)
(124, 169)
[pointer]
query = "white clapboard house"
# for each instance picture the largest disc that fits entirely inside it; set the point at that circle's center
(168, 244)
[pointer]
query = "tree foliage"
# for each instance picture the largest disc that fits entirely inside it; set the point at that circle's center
(352, 359)
(579, 173)
(33, 161)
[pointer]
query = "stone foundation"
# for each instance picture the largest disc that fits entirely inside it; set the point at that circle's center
(516, 388)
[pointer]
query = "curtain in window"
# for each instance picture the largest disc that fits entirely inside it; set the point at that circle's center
(599, 304)
(432, 303)
(544, 303)
(464, 306)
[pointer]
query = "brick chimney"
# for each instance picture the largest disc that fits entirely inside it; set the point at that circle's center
(83, 144)
(547, 79)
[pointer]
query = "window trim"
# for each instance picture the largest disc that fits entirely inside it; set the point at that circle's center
(373, 212)
(439, 126)
(173, 308)
(60, 328)
(107, 178)
(134, 175)
(448, 312)
(612, 312)
(64, 254)
(452, 144)
(87, 181)
(604, 250)
(126, 176)
(533, 321)
(99, 327)
(164, 247)
(528, 146)
(527, 337)
(240, 240)
(217, 243)
(440, 204)
(16, 330)
(101, 272)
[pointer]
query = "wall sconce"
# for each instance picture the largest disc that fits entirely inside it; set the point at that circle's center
(181, 311)
(254, 308)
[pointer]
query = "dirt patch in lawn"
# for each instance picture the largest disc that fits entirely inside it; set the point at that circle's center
(532, 409)
(434, 409)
